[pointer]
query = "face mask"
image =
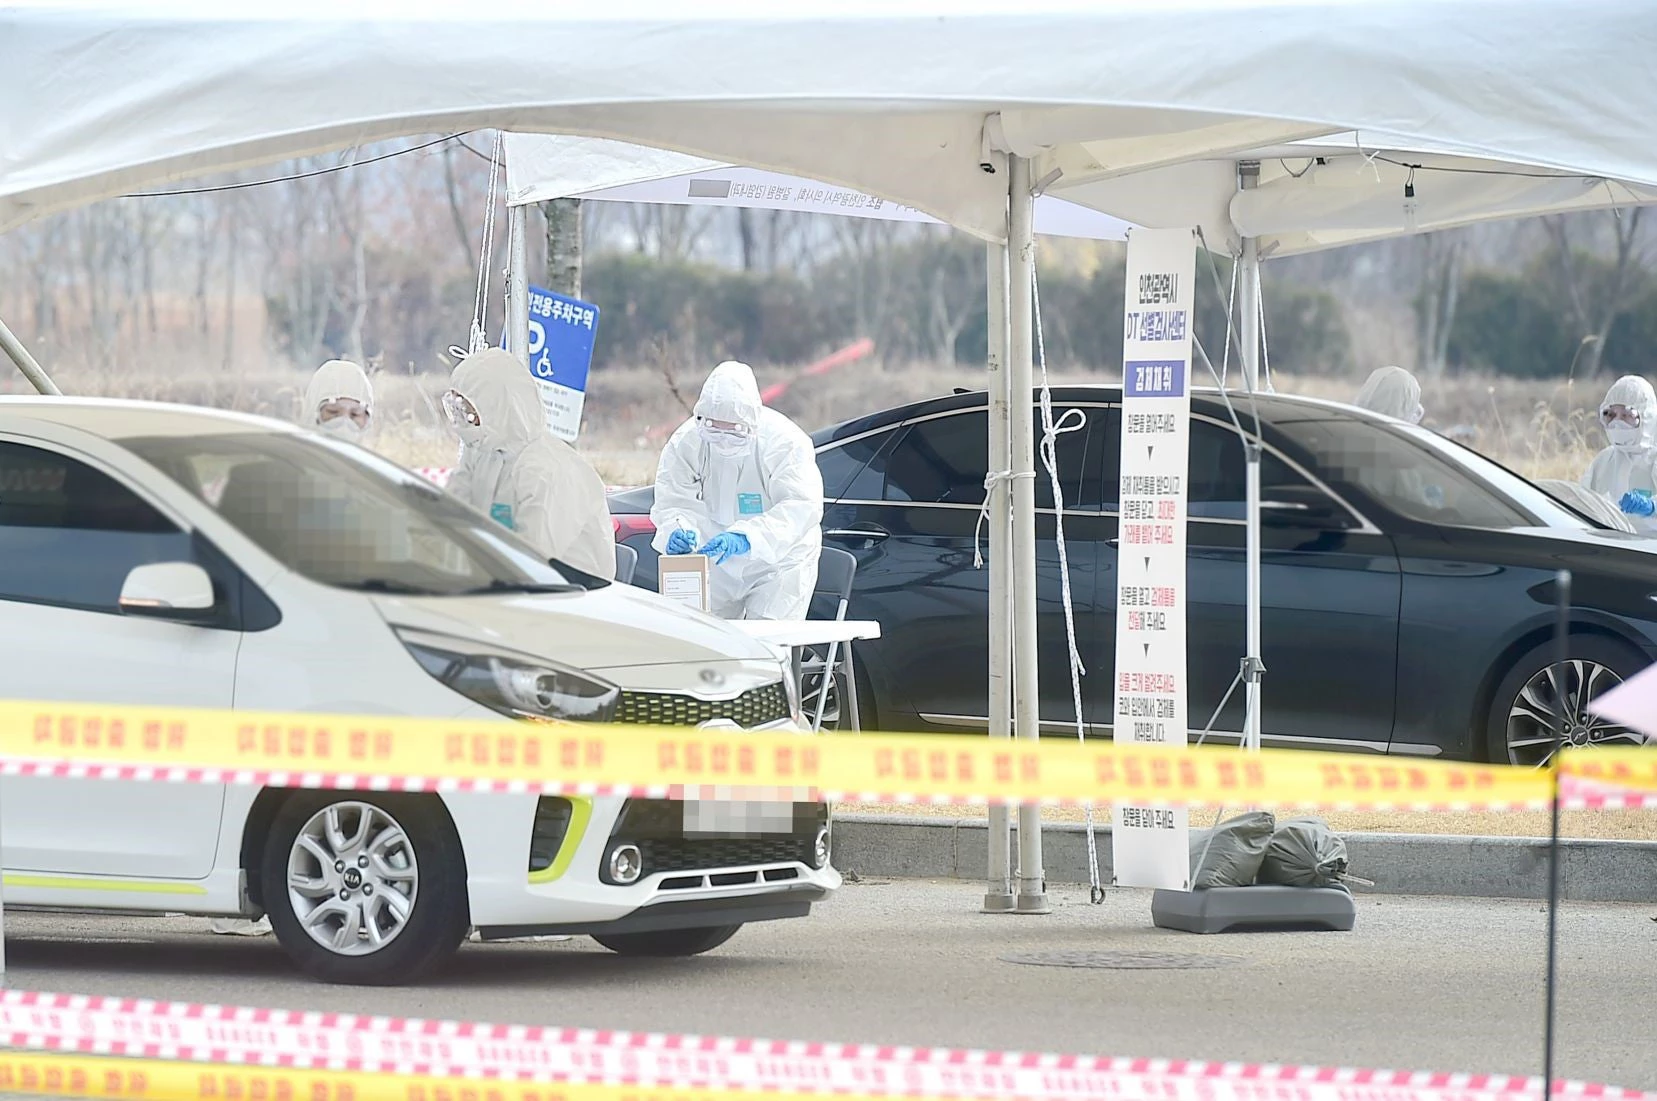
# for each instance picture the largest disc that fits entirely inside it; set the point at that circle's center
(1623, 436)
(1416, 414)
(727, 445)
(343, 428)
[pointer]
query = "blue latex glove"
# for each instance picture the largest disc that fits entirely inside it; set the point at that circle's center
(681, 541)
(1637, 504)
(729, 545)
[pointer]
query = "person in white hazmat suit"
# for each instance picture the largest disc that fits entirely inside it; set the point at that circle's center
(513, 469)
(1392, 392)
(339, 401)
(1622, 473)
(739, 483)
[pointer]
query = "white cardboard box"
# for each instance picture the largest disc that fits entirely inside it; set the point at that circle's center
(684, 577)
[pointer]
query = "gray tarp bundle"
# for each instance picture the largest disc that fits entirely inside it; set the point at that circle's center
(1304, 852)
(1255, 848)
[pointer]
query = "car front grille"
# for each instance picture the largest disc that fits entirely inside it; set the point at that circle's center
(709, 854)
(755, 707)
(656, 826)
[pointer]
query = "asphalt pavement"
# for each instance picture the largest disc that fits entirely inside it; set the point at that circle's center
(1422, 983)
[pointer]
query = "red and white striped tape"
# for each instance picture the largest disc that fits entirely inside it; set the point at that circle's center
(267, 1037)
(436, 475)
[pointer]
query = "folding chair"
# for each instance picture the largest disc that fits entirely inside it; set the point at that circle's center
(836, 570)
(627, 560)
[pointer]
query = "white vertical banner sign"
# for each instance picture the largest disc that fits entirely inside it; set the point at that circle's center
(1150, 846)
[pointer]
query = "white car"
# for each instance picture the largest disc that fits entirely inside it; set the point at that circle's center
(161, 555)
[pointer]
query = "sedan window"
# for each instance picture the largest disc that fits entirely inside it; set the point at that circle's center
(945, 459)
(1218, 473)
(1403, 476)
(69, 534)
(340, 516)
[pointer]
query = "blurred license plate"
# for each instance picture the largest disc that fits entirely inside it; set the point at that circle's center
(742, 817)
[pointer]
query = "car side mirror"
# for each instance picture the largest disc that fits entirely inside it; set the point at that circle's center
(1301, 506)
(179, 591)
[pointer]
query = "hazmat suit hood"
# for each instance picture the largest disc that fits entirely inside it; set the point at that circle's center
(338, 378)
(1392, 392)
(506, 398)
(523, 477)
(1625, 465)
(731, 394)
(1636, 393)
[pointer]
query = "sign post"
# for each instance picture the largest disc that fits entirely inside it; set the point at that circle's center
(561, 335)
(1150, 845)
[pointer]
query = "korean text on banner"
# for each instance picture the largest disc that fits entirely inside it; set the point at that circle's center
(561, 334)
(1149, 844)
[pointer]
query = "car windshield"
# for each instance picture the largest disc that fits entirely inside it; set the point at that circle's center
(1422, 476)
(342, 516)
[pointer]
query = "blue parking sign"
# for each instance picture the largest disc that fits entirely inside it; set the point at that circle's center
(561, 335)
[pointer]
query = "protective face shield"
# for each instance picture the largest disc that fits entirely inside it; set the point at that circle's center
(463, 417)
(727, 439)
(1622, 426)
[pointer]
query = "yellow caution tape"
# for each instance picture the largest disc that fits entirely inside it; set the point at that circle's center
(154, 1080)
(577, 758)
(1632, 768)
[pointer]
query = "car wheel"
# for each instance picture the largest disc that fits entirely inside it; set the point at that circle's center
(365, 888)
(668, 942)
(1524, 713)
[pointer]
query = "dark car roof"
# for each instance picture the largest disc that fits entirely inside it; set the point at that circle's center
(1276, 408)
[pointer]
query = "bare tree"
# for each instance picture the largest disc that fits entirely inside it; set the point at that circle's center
(1440, 287)
(1596, 299)
(451, 188)
(563, 245)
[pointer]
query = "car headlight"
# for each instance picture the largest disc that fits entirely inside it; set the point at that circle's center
(516, 685)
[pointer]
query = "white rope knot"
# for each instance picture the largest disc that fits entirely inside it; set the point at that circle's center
(991, 480)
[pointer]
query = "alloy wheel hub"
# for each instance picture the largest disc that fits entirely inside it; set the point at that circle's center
(1533, 722)
(352, 878)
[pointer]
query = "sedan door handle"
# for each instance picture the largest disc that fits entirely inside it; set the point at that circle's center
(870, 534)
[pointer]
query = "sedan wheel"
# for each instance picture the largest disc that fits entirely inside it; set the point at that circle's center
(1537, 694)
(365, 888)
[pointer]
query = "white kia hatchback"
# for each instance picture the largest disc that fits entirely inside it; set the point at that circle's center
(163, 555)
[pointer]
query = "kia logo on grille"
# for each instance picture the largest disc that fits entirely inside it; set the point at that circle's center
(713, 677)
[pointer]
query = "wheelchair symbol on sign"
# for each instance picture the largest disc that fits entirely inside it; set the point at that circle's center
(542, 363)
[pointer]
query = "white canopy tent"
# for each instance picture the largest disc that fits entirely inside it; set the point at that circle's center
(961, 110)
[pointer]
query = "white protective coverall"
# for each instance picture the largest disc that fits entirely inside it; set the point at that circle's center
(515, 470)
(771, 491)
(1627, 463)
(336, 379)
(1392, 392)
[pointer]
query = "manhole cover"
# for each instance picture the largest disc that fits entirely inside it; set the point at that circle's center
(1121, 961)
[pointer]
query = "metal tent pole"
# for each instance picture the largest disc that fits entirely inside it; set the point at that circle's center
(998, 887)
(31, 368)
(517, 285)
(1248, 312)
(1021, 244)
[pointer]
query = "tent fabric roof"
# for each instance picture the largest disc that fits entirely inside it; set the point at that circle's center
(540, 167)
(890, 99)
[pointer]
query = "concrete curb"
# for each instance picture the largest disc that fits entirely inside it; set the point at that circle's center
(1400, 864)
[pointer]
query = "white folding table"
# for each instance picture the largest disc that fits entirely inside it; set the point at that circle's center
(793, 635)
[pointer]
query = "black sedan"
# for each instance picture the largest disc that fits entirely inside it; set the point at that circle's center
(1408, 583)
